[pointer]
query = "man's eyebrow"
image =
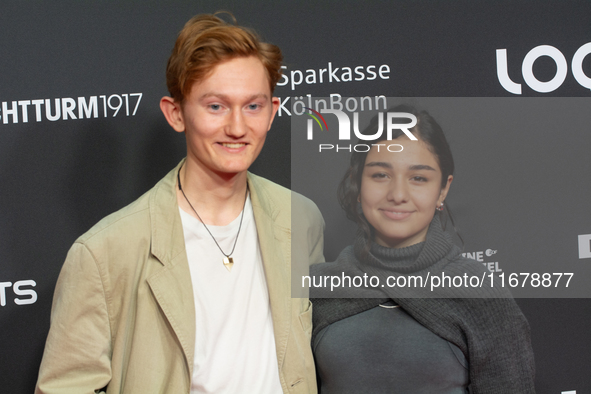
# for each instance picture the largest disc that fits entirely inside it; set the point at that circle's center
(225, 97)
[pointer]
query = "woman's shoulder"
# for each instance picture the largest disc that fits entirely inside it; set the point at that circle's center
(455, 260)
(343, 263)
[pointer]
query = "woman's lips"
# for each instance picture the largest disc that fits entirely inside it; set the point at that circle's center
(396, 214)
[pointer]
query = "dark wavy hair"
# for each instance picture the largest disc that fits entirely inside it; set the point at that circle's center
(427, 130)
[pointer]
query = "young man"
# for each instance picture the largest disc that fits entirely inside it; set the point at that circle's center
(188, 288)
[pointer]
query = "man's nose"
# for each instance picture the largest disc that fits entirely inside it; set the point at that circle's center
(236, 127)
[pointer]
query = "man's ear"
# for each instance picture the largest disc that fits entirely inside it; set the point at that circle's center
(173, 113)
(275, 102)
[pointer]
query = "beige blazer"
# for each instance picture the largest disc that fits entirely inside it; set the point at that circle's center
(123, 315)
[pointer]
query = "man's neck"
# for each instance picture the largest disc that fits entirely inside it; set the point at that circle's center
(217, 198)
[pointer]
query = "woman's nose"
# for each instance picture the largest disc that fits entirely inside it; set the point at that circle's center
(398, 191)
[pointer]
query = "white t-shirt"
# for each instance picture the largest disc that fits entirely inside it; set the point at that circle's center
(234, 341)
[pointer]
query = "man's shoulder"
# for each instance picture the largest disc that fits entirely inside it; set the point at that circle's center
(269, 188)
(131, 221)
(284, 200)
(134, 216)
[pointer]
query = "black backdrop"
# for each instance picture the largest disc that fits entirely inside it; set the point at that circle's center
(58, 177)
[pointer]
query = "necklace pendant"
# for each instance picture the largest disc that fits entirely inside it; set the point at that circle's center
(228, 263)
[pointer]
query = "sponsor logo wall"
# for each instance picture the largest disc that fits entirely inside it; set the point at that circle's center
(81, 135)
(527, 69)
(68, 108)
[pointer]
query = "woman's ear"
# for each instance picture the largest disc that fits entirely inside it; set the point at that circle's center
(445, 190)
(173, 113)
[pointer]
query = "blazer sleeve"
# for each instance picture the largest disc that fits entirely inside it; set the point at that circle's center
(316, 237)
(307, 229)
(77, 355)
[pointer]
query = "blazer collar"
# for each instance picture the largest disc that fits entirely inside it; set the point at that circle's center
(167, 230)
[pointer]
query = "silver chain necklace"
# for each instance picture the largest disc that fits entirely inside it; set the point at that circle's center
(228, 261)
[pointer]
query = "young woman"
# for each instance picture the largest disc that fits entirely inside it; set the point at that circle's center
(397, 336)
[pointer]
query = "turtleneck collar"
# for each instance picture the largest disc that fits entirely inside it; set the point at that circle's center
(411, 258)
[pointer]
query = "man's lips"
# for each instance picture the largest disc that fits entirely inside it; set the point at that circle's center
(233, 145)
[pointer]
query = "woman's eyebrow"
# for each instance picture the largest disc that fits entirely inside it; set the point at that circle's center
(421, 167)
(379, 164)
(414, 167)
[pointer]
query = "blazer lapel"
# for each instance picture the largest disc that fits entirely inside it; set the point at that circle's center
(275, 244)
(171, 285)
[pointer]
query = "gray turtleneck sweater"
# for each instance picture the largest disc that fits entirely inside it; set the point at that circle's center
(484, 322)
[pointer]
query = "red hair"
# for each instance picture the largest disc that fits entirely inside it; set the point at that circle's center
(207, 41)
